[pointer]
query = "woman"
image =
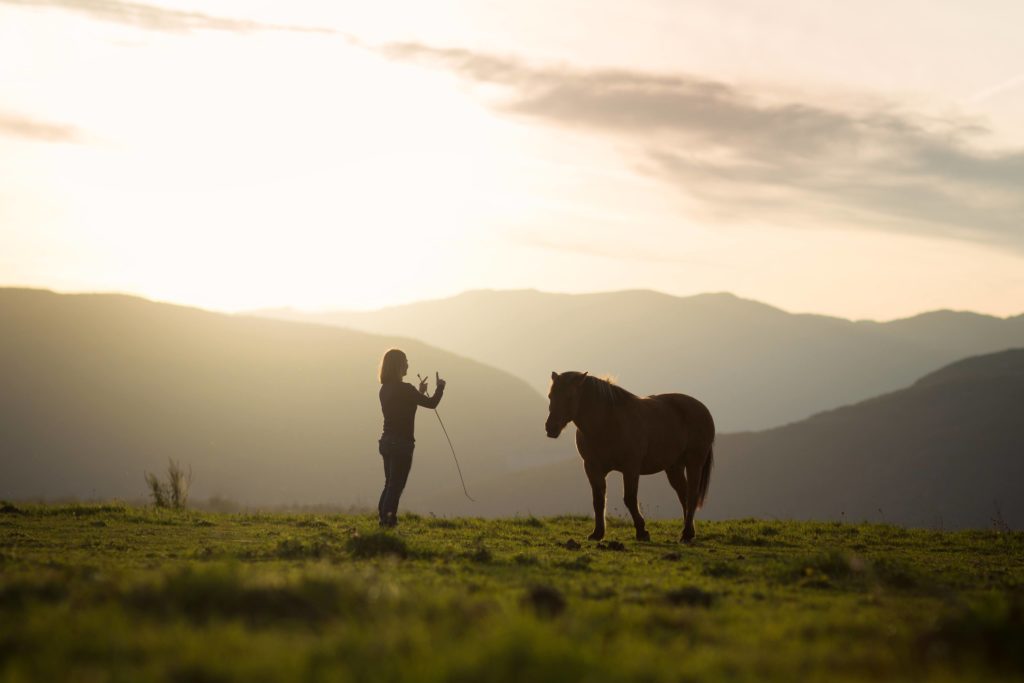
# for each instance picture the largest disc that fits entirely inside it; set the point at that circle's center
(398, 401)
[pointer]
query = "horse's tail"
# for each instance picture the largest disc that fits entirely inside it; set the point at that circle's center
(705, 476)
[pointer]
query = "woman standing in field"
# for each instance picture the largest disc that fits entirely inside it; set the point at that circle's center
(398, 401)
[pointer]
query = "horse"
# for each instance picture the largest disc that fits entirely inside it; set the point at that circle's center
(617, 430)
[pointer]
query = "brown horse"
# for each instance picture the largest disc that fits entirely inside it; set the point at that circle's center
(617, 430)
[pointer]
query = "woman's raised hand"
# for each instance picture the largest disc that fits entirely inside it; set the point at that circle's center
(440, 383)
(423, 384)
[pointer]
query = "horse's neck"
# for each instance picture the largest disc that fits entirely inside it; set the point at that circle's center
(592, 416)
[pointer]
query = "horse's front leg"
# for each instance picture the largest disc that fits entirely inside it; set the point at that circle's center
(630, 486)
(597, 486)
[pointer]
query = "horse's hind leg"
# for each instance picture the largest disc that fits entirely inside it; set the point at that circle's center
(630, 485)
(693, 473)
(677, 479)
(598, 488)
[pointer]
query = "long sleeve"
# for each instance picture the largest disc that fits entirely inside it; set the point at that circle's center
(428, 401)
(398, 402)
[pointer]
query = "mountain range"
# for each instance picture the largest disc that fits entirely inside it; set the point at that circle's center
(98, 389)
(754, 365)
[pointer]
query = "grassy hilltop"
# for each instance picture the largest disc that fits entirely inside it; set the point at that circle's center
(116, 593)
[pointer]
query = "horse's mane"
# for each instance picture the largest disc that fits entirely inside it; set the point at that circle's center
(606, 390)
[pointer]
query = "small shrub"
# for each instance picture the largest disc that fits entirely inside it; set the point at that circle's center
(157, 490)
(174, 492)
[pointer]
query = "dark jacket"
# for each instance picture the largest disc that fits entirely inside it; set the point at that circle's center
(398, 401)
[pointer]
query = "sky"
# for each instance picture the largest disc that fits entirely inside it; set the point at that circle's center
(864, 159)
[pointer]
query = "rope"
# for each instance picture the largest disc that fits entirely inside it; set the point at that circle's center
(453, 454)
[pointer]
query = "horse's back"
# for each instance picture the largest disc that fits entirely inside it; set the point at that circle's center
(693, 415)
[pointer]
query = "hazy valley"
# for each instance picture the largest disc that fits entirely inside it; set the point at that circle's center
(101, 388)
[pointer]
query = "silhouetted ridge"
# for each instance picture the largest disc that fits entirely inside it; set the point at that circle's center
(755, 366)
(99, 388)
(1009, 363)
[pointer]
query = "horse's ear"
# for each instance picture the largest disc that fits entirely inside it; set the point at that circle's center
(554, 376)
(582, 377)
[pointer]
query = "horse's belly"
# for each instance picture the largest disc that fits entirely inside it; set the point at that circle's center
(645, 468)
(650, 469)
(659, 457)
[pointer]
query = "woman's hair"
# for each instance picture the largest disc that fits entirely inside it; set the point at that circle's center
(391, 366)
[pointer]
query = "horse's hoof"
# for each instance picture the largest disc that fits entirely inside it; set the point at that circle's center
(596, 536)
(643, 535)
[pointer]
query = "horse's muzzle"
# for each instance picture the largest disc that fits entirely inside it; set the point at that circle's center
(553, 429)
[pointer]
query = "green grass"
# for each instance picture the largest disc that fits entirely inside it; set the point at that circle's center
(115, 593)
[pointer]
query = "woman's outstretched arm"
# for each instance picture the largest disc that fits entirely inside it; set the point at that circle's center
(423, 399)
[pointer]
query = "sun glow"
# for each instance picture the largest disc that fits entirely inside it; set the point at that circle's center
(285, 170)
(235, 169)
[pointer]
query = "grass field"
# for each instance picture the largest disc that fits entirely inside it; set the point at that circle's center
(108, 592)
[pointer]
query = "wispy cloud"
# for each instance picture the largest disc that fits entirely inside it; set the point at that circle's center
(756, 152)
(156, 18)
(19, 126)
(997, 89)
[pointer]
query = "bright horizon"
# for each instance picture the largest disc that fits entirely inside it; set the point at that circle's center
(863, 162)
(314, 311)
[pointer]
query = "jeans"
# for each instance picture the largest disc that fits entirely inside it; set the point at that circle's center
(397, 454)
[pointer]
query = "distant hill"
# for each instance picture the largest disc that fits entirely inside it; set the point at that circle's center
(97, 389)
(947, 451)
(755, 366)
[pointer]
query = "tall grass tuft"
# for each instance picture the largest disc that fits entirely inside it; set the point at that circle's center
(174, 492)
(157, 490)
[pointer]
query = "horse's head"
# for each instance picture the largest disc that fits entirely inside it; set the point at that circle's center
(564, 401)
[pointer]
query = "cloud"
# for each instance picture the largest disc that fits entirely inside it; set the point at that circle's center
(1008, 85)
(18, 126)
(157, 18)
(757, 153)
